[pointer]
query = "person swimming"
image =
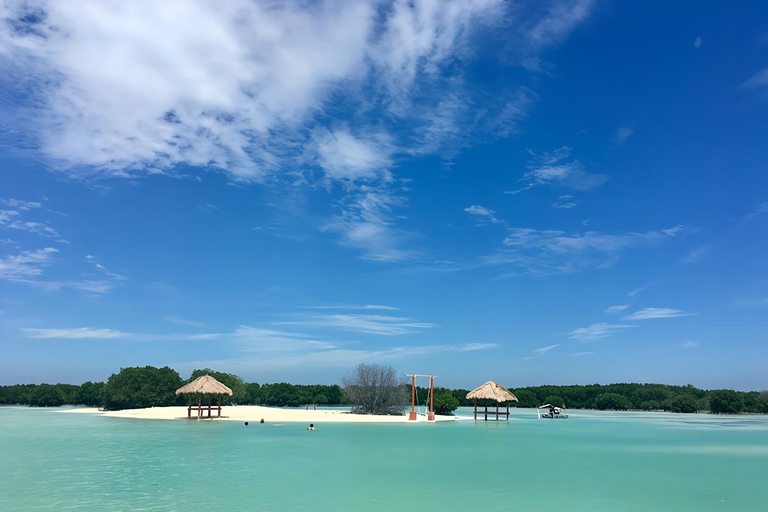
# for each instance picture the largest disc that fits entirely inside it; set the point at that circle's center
(311, 426)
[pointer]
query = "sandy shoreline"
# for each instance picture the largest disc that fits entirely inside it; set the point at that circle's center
(255, 413)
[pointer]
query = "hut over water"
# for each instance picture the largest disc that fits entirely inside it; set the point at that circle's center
(492, 391)
(205, 386)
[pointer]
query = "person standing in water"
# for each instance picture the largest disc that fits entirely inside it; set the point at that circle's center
(311, 426)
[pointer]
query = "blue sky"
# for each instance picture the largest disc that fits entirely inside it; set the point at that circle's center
(544, 192)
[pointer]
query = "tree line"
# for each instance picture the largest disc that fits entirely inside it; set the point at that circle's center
(148, 386)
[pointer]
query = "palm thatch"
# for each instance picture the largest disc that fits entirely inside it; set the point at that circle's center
(205, 385)
(492, 391)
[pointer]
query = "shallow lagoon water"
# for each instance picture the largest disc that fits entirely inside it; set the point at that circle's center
(593, 461)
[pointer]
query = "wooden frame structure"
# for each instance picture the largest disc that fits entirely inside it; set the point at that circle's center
(205, 386)
(431, 415)
(498, 412)
(200, 408)
(492, 391)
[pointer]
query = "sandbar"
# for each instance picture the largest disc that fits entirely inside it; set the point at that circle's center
(255, 413)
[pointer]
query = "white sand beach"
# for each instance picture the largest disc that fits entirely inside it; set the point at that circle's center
(255, 413)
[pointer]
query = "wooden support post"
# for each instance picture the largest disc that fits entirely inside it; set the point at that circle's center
(475, 409)
(412, 416)
(486, 412)
(199, 407)
(497, 411)
(431, 416)
(189, 412)
(507, 411)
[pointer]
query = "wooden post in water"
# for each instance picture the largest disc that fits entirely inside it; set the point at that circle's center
(475, 409)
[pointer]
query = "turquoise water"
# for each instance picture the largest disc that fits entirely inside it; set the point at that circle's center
(590, 462)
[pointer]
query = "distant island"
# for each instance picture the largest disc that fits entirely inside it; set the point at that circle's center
(140, 387)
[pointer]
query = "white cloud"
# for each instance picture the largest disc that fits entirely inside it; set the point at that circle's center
(348, 306)
(761, 209)
(235, 86)
(695, 254)
(598, 331)
(653, 313)
(7, 215)
(367, 223)
(564, 205)
(624, 132)
(559, 20)
(482, 212)
(544, 350)
(582, 354)
(616, 309)
(555, 252)
(74, 334)
(21, 205)
(757, 81)
(35, 227)
(345, 157)
(557, 168)
(184, 321)
(207, 207)
(363, 323)
(469, 347)
(26, 264)
(690, 344)
(697, 42)
(290, 92)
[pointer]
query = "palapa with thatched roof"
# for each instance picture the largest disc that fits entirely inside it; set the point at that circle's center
(204, 386)
(492, 391)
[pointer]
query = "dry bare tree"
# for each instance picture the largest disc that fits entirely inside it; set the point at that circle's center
(376, 389)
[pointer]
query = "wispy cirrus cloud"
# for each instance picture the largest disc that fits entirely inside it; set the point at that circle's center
(547, 252)
(184, 321)
(19, 204)
(79, 333)
(616, 309)
(259, 348)
(353, 307)
(558, 168)
(27, 267)
(761, 209)
(367, 222)
(653, 313)
(757, 81)
(541, 351)
(695, 254)
(597, 332)
(26, 264)
(384, 325)
(624, 132)
(469, 347)
(483, 214)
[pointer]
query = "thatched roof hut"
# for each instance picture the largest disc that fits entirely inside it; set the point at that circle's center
(491, 391)
(205, 385)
